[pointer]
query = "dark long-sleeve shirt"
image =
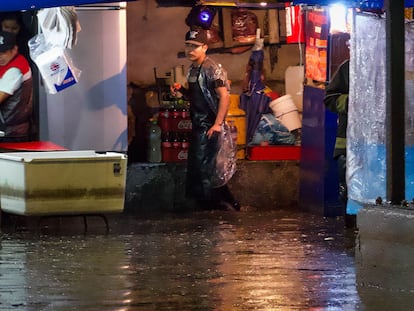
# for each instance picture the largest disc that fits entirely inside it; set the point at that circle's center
(336, 100)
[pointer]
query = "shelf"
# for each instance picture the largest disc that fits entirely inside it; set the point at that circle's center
(270, 21)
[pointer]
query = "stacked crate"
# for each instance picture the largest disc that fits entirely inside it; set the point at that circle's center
(175, 123)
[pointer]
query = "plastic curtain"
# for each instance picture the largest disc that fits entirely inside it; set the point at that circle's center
(366, 135)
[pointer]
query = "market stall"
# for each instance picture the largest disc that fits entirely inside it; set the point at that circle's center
(366, 140)
(70, 118)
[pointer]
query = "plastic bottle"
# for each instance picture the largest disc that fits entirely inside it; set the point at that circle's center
(176, 113)
(154, 142)
(166, 140)
(176, 141)
(184, 141)
(166, 146)
(163, 118)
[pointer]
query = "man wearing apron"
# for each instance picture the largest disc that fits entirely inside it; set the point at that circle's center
(208, 92)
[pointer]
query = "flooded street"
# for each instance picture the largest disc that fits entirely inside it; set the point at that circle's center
(199, 261)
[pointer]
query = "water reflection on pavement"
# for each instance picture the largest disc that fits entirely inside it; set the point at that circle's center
(200, 261)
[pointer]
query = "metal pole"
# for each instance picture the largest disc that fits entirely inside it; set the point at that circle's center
(395, 100)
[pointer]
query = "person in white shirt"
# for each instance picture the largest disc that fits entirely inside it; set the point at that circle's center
(16, 89)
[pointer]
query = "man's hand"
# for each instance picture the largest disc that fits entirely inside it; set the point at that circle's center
(174, 88)
(214, 128)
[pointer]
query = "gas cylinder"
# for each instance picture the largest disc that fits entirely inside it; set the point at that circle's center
(239, 117)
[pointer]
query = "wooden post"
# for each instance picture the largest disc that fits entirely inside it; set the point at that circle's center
(395, 100)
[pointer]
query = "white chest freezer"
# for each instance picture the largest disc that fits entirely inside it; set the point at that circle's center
(62, 182)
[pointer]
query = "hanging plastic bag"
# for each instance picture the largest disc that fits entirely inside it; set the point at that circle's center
(226, 158)
(54, 65)
(59, 25)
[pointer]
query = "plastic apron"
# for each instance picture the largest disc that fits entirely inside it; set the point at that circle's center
(202, 150)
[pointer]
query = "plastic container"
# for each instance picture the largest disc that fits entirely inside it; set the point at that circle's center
(154, 142)
(238, 116)
(274, 153)
(286, 112)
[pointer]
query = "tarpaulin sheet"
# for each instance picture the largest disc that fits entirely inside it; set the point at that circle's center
(254, 101)
(17, 5)
(363, 4)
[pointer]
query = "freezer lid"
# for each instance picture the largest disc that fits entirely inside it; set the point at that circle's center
(17, 5)
(62, 156)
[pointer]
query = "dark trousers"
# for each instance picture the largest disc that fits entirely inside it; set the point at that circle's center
(343, 190)
(219, 196)
(350, 220)
(223, 194)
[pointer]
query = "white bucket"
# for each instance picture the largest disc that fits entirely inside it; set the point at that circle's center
(286, 112)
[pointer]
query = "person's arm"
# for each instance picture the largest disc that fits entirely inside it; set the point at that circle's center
(3, 96)
(336, 93)
(223, 107)
(9, 83)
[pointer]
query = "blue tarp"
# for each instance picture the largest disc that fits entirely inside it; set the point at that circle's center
(363, 4)
(18, 5)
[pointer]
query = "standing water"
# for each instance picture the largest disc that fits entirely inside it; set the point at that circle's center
(218, 260)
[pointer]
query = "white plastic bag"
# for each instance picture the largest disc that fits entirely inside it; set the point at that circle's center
(59, 25)
(54, 65)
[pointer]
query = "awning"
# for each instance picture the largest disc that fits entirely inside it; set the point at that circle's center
(19, 5)
(363, 4)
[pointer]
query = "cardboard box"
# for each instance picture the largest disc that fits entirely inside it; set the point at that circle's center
(273, 153)
(62, 182)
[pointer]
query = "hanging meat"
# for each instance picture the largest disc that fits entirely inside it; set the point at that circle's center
(244, 25)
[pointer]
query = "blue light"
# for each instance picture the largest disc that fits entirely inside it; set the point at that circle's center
(200, 16)
(204, 16)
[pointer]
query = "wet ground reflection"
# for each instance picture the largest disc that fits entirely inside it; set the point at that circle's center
(200, 261)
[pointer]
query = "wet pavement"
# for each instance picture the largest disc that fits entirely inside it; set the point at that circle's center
(279, 260)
